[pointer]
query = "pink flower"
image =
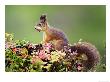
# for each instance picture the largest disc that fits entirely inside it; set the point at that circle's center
(75, 52)
(47, 47)
(79, 67)
(43, 55)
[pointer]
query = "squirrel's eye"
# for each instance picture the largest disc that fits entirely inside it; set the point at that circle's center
(39, 24)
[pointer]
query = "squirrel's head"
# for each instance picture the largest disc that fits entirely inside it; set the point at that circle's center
(42, 25)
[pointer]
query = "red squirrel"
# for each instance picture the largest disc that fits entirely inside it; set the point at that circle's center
(60, 41)
(51, 34)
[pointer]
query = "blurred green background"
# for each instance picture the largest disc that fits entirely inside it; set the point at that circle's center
(87, 22)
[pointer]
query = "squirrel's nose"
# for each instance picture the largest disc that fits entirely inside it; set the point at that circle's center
(35, 27)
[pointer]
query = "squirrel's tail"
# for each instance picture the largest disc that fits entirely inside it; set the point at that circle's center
(93, 56)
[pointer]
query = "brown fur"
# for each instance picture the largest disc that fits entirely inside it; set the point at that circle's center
(90, 51)
(52, 34)
(60, 40)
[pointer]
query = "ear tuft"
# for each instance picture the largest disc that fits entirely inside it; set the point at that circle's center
(43, 17)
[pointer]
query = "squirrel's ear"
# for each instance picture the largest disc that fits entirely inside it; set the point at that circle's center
(43, 18)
